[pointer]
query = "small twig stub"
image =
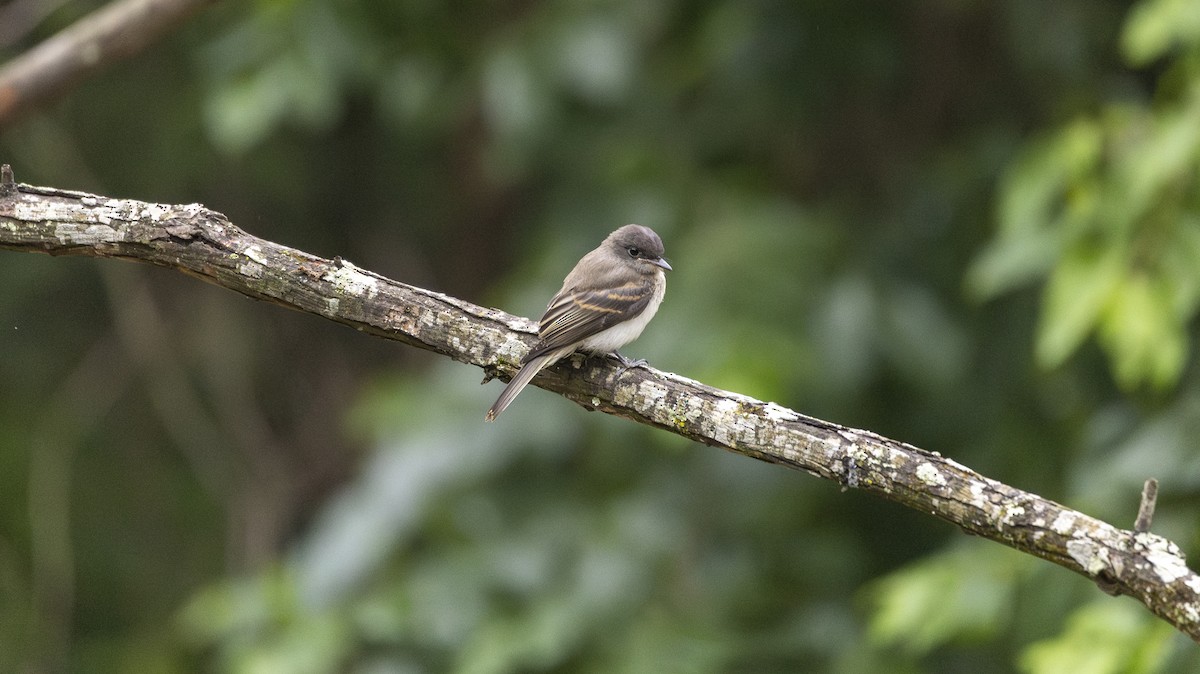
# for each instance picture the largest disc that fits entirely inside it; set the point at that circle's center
(1146, 509)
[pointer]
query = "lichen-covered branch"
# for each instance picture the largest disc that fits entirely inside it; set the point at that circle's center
(203, 243)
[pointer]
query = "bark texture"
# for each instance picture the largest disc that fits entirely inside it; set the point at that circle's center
(203, 243)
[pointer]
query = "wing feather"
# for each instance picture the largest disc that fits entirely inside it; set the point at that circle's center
(578, 313)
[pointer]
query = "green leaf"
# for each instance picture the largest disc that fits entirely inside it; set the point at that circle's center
(1142, 335)
(1158, 25)
(1107, 636)
(1158, 159)
(236, 606)
(1051, 187)
(966, 591)
(1180, 273)
(1047, 179)
(1010, 262)
(1076, 296)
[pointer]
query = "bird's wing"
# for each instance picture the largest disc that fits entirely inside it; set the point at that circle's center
(578, 313)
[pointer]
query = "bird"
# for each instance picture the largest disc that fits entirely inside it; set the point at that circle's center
(605, 303)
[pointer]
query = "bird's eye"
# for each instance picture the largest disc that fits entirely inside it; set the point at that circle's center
(633, 252)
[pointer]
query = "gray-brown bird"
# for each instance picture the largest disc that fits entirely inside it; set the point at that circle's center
(604, 304)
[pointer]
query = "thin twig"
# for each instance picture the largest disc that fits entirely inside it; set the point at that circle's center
(1146, 509)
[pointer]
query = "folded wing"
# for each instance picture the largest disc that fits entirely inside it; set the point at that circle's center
(576, 314)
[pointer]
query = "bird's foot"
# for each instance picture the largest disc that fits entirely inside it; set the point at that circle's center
(626, 363)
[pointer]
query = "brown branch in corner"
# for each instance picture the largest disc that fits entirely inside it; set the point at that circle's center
(203, 243)
(113, 32)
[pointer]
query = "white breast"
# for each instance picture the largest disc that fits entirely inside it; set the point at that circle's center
(607, 341)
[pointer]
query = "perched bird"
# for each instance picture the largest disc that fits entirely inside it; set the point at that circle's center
(605, 303)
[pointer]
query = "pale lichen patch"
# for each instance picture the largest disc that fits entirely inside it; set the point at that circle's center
(350, 280)
(1167, 566)
(44, 212)
(726, 406)
(88, 236)
(776, 412)
(1166, 561)
(954, 464)
(685, 412)
(1063, 524)
(651, 392)
(512, 350)
(154, 212)
(1009, 513)
(977, 494)
(251, 269)
(1194, 583)
(1088, 555)
(930, 475)
(255, 253)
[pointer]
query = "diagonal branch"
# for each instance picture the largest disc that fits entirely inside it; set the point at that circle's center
(203, 243)
(113, 32)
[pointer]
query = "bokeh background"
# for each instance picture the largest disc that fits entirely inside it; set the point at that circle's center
(971, 226)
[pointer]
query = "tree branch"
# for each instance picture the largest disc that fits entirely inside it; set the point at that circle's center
(203, 243)
(113, 32)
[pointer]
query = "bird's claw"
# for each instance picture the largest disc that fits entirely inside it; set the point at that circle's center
(626, 363)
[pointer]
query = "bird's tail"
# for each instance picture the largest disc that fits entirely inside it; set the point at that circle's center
(522, 378)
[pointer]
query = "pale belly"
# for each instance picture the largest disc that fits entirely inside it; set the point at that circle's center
(621, 334)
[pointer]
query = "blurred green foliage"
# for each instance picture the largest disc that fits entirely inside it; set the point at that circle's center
(969, 226)
(1100, 638)
(1105, 210)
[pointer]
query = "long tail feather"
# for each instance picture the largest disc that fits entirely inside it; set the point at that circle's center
(522, 378)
